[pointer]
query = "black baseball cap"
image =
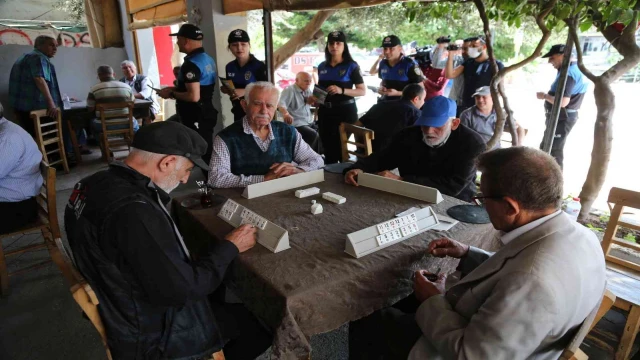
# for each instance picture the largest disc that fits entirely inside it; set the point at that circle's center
(336, 36)
(172, 138)
(555, 49)
(190, 32)
(238, 35)
(391, 41)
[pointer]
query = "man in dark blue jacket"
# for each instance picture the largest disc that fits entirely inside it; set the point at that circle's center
(438, 152)
(153, 294)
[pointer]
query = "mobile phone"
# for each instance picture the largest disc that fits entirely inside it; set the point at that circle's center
(154, 88)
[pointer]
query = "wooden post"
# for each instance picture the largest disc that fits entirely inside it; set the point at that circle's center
(268, 44)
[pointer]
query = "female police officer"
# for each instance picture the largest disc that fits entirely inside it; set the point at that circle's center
(242, 71)
(396, 70)
(337, 75)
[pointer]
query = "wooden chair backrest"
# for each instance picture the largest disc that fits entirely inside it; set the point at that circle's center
(84, 295)
(572, 351)
(49, 133)
(47, 198)
(103, 110)
(620, 198)
(360, 134)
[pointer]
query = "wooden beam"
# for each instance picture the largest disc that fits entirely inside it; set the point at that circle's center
(236, 6)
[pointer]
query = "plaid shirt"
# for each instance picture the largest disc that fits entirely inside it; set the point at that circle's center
(220, 176)
(24, 95)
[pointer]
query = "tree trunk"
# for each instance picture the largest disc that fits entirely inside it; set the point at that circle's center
(310, 32)
(602, 143)
(625, 43)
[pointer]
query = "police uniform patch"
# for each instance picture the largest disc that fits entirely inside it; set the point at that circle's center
(387, 39)
(400, 72)
(417, 71)
(190, 75)
(238, 33)
(247, 75)
(231, 75)
(335, 33)
(342, 72)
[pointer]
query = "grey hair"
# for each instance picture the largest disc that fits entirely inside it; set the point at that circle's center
(105, 70)
(42, 40)
(262, 85)
(530, 176)
(128, 62)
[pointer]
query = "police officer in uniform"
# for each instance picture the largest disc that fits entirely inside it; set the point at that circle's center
(196, 83)
(396, 70)
(572, 98)
(242, 71)
(337, 75)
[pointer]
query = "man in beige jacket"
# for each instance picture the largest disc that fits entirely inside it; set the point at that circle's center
(525, 301)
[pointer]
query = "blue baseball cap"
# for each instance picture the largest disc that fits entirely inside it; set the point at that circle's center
(437, 111)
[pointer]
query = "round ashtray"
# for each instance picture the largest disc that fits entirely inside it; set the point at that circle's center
(472, 214)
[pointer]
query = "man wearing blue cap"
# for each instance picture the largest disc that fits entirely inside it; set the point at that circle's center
(438, 152)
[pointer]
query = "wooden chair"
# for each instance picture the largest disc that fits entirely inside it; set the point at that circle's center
(160, 114)
(572, 351)
(47, 223)
(113, 140)
(360, 134)
(620, 198)
(84, 296)
(48, 136)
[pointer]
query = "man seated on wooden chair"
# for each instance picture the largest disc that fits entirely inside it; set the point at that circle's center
(481, 117)
(258, 149)
(388, 118)
(438, 152)
(295, 106)
(20, 178)
(152, 292)
(109, 91)
(526, 301)
(140, 84)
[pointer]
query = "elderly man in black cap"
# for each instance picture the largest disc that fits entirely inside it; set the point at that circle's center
(153, 294)
(196, 83)
(572, 97)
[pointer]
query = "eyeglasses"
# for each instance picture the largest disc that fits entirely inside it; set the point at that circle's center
(479, 200)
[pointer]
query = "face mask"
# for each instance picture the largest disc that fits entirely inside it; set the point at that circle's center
(473, 52)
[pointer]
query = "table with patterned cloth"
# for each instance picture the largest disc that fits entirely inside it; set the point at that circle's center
(315, 287)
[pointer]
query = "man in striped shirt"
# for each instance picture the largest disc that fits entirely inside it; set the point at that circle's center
(109, 90)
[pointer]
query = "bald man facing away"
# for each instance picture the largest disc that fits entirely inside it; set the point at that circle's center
(295, 107)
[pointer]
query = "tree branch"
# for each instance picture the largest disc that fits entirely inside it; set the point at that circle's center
(574, 34)
(310, 32)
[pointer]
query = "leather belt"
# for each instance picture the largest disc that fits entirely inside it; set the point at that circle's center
(330, 105)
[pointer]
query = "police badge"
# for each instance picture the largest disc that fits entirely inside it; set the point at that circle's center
(401, 72)
(247, 75)
(342, 72)
(238, 33)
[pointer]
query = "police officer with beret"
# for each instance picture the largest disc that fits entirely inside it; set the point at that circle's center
(396, 70)
(242, 71)
(572, 97)
(196, 83)
(337, 75)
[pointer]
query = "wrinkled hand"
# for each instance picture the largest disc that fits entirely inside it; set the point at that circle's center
(424, 289)
(225, 90)
(350, 176)
(288, 119)
(52, 112)
(165, 93)
(540, 95)
(389, 174)
(243, 237)
(279, 170)
(382, 90)
(447, 247)
(311, 100)
(333, 89)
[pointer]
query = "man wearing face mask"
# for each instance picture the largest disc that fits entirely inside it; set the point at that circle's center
(438, 152)
(152, 292)
(476, 70)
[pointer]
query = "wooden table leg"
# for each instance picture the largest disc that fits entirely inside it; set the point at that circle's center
(74, 142)
(629, 334)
